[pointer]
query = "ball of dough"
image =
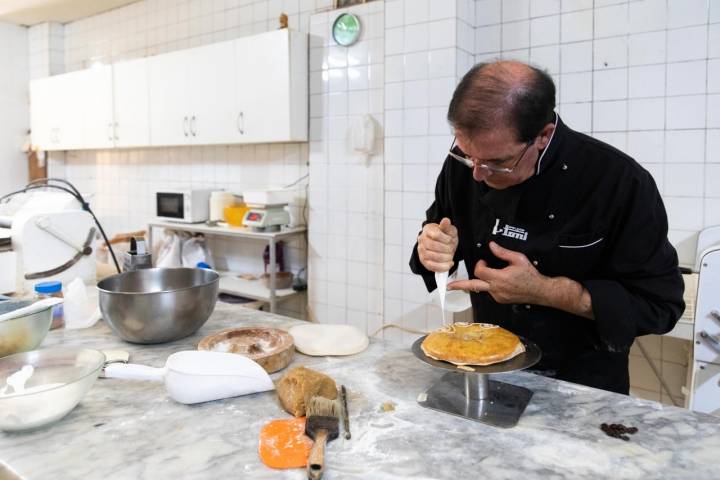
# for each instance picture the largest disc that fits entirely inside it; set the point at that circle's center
(297, 386)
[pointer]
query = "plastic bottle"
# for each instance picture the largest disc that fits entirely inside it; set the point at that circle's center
(52, 289)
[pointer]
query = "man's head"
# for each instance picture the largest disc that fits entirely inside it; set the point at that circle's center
(503, 114)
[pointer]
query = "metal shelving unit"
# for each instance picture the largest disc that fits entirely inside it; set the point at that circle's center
(230, 283)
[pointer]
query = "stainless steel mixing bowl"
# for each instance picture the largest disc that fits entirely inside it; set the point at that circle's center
(158, 305)
(23, 333)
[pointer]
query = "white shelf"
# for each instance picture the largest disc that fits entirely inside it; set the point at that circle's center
(253, 289)
(229, 282)
(243, 232)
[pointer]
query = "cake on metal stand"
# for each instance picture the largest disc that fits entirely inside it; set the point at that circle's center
(468, 391)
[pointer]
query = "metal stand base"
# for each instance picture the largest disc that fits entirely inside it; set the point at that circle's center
(476, 397)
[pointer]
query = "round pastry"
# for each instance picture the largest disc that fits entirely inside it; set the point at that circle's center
(472, 344)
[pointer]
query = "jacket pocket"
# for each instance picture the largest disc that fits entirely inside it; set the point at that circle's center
(577, 242)
(579, 256)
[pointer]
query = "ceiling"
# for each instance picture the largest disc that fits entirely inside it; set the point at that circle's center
(31, 12)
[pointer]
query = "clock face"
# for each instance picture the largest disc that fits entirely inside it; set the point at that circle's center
(346, 29)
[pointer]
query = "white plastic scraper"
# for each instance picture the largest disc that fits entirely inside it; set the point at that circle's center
(441, 279)
(200, 376)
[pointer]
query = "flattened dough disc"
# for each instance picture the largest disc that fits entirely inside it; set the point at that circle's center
(319, 339)
(283, 443)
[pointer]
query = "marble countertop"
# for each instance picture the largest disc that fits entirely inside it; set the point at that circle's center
(132, 430)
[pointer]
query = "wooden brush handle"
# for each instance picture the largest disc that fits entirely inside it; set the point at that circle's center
(316, 459)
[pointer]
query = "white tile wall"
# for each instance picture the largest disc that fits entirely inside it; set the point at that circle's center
(643, 75)
(417, 135)
(346, 188)
(13, 106)
(46, 43)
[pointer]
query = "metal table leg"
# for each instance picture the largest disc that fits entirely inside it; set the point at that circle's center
(273, 268)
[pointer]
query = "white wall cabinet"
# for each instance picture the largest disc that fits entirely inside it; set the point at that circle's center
(131, 127)
(56, 120)
(272, 85)
(192, 98)
(95, 104)
(167, 94)
(250, 90)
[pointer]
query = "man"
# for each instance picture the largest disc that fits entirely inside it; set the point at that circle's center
(564, 237)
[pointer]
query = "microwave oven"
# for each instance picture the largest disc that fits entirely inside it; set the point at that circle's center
(187, 206)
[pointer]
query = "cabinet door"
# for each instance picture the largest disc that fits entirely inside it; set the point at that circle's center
(170, 106)
(213, 93)
(68, 109)
(41, 112)
(263, 87)
(130, 101)
(96, 102)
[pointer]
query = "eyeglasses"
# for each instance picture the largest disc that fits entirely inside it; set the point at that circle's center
(494, 167)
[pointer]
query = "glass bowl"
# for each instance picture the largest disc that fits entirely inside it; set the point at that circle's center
(61, 378)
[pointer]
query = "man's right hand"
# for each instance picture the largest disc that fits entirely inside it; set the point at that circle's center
(437, 244)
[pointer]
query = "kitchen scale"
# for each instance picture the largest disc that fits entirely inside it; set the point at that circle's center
(266, 218)
(469, 392)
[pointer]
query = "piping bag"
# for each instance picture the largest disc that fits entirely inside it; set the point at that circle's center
(441, 279)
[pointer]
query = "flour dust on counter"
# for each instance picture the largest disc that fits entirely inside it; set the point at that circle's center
(132, 430)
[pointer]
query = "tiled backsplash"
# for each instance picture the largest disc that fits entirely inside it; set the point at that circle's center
(346, 187)
(643, 75)
(13, 106)
(428, 45)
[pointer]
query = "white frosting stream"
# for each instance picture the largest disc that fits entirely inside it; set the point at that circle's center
(441, 279)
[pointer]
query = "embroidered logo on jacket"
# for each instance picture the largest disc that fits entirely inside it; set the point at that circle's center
(509, 231)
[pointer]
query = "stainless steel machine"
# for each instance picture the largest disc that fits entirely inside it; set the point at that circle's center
(45, 235)
(705, 385)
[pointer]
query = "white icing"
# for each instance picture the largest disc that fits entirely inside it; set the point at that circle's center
(441, 279)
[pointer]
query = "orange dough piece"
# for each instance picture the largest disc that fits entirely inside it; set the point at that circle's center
(283, 443)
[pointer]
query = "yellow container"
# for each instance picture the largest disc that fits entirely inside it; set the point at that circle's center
(234, 214)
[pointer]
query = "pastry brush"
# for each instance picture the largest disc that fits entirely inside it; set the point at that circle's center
(322, 425)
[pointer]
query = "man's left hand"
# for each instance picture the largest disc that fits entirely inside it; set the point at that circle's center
(519, 282)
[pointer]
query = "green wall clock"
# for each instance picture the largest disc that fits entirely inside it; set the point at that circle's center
(346, 29)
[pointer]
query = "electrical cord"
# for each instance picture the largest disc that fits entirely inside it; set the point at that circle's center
(296, 181)
(399, 327)
(43, 183)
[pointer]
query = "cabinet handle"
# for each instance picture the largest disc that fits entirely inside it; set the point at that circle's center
(192, 126)
(115, 131)
(109, 132)
(241, 123)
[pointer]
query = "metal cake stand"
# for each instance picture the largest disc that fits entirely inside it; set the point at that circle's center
(468, 392)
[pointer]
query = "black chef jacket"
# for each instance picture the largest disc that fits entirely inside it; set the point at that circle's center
(590, 213)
